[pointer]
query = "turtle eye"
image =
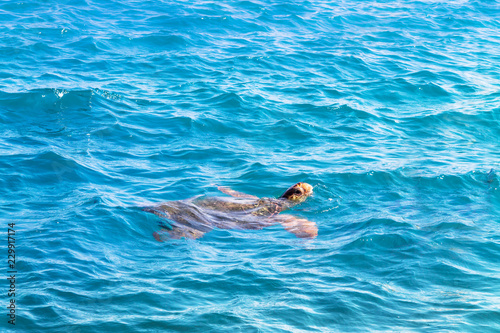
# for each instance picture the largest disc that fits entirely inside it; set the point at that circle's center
(298, 191)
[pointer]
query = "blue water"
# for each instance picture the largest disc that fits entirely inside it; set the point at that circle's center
(391, 110)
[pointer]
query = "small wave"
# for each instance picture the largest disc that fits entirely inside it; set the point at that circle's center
(227, 100)
(85, 44)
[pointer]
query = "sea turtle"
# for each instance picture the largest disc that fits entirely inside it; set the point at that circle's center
(192, 218)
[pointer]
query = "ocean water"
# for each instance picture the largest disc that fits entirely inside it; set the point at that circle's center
(390, 109)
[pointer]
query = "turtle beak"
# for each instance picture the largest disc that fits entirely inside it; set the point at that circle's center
(308, 189)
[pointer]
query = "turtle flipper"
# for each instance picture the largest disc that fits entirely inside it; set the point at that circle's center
(236, 194)
(177, 232)
(301, 228)
(160, 235)
(158, 212)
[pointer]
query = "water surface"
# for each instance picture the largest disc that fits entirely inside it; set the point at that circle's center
(390, 109)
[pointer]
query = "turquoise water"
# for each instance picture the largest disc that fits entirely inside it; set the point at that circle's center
(391, 110)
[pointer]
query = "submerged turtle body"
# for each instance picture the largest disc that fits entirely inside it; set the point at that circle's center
(255, 207)
(192, 218)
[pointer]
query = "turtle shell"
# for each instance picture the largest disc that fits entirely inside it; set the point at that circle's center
(218, 212)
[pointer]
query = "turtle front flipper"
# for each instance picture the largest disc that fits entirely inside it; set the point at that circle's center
(301, 228)
(236, 194)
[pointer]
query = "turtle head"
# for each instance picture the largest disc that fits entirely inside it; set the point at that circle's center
(298, 192)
